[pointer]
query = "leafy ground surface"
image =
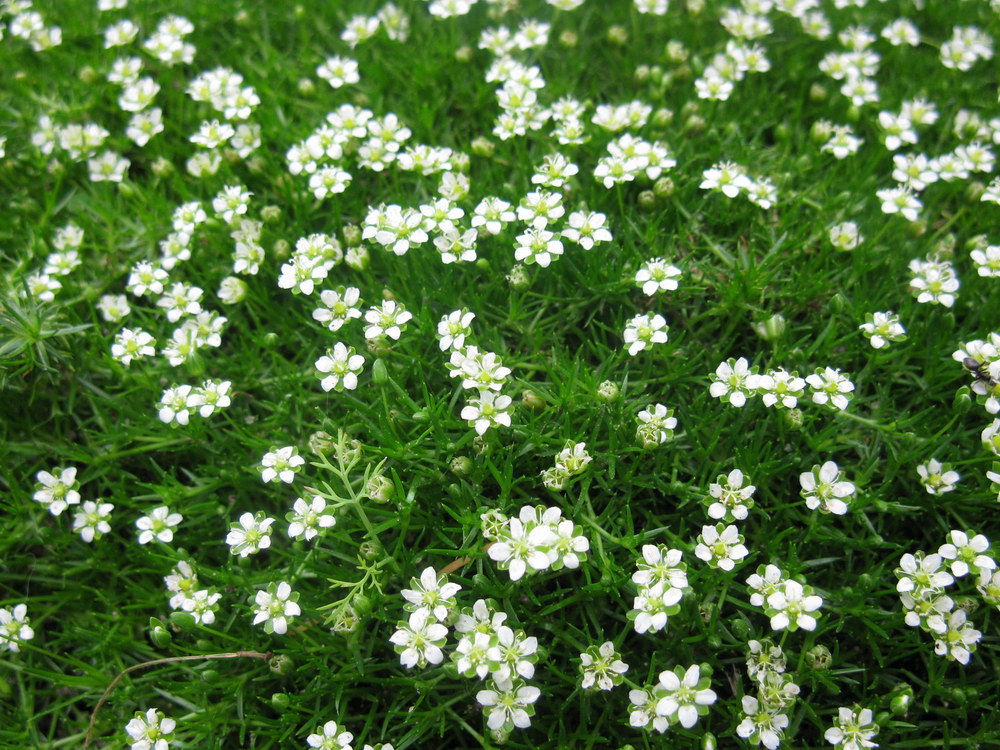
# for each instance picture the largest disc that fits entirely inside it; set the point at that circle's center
(66, 401)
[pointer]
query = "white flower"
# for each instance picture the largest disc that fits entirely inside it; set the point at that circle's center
(791, 607)
(733, 500)
(933, 281)
(824, 488)
(15, 628)
(518, 548)
(281, 463)
(91, 520)
(586, 229)
(431, 594)
(733, 382)
(389, 319)
(781, 389)
(418, 641)
(453, 328)
(882, 328)
(829, 386)
(657, 276)
(332, 738)
(308, 519)
(276, 607)
(966, 554)
(339, 367)
(538, 245)
(601, 667)
(853, 730)
(721, 547)
(57, 489)
(159, 525)
(339, 71)
(845, 236)
(645, 330)
(508, 704)
(687, 695)
(726, 177)
(250, 535)
(959, 638)
(937, 478)
(487, 409)
(202, 605)
(150, 730)
(762, 724)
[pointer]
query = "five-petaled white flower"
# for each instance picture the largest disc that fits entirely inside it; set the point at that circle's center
(508, 704)
(150, 730)
(339, 367)
(250, 535)
(825, 488)
(308, 519)
(57, 489)
(792, 607)
(332, 738)
(687, 695)
(281, 463)
(15, 628)
(418, 641)
(852, 730)
(159, 525)
(276, 607)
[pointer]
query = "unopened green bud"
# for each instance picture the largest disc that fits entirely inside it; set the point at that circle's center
(617, 35)
(369, 549)
(380, 488)
(821, 131)
(281, 664)
(974, 191)
(462, 466)
(270, 214)
(794, 418)
(87, 75)
(838, 302)
(917, 228)
(380, 373)
(281, 249)
(647, 200)
(819, 657)
(158, 634)
(663, 117)
(460, 162)
(464, 54)
(853, 113)
(656, 76)
(322, 443)
(771, 329)
(568, 39)
(210, 676)
(608, 391)
(818, 93)
(532, 400)
(242, 18)
(280, 702)
(483, 147)
(518, 277)
(182, 620)
(694, 124)
(901, 699)
(708, 742)
(962, 401)
(162, 167)
(664, 187)
(361, 604)
(676, 51)
(642, 74)
(352, 235)
(740, 628)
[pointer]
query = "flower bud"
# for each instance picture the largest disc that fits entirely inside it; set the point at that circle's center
(210, 676)
(901, 699)
(281, 665)
(242, 18)
(917, 228)
(664, 187)
(974, 191)
(518, 277)
(162, 167)
(280, 702)
(740, 628)
(676, 51)
(968, 603)
(158, 634)
(793, 418)
(568, 39)
(641, 74)
(380, 488)
(361, 604)
(322, 443)
(532, 400)
(821, 131)
(853, 113)
(270, 214)
(464, 54)
(819, 657)
(818, 93)
(87, 75)
(281, 249)
(232, 290)
(838, 303)
(962, 401)
(694, 124)
(182, 620)
(663, 116)
(380, 373)
(483, 147)
(617, 35)
(462, 466)
(369, 549)
(771, 329)
(647, 200)
(708, 742)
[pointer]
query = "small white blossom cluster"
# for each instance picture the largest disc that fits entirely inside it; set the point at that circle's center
(570, 462)
(765, 717)
(661, 578)
(924, 579)
(734, 382)
(311, 262)
(855, 67)
(732, 179)
(630, 157)
(680, 696)
(43, 284)
(966, 47)
(179, 402)
(983, 358)
(728, 68)
(167, 43)
(537, 539)
(479, 371)
(934, 281)
(28, 24)
(985, 256)
(789, 604)
(185, 595)
(224, 90)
